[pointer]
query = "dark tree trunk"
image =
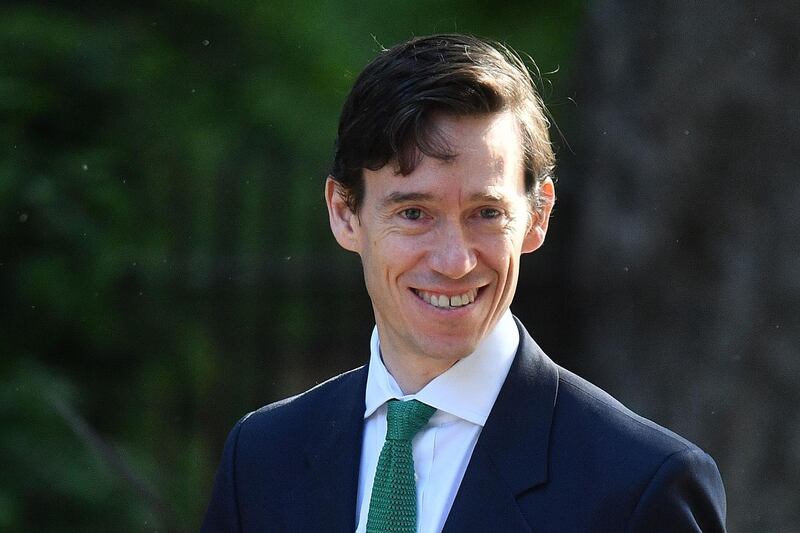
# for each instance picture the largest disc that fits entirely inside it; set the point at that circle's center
(687, 250)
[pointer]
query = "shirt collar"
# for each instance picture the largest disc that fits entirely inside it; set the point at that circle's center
(467, 389)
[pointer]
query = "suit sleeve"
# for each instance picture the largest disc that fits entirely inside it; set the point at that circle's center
(222, 514)
(685, 494)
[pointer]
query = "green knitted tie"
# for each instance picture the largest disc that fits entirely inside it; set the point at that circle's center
(393, 505)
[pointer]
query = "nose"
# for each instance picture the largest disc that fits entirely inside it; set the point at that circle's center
(452, 254)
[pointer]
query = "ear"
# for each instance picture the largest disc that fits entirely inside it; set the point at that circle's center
(344, 222)
(540, 218)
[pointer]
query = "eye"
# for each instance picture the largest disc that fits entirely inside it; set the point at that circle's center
(489, 212)
(412, 213)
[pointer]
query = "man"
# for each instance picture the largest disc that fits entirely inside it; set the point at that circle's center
(441, 180)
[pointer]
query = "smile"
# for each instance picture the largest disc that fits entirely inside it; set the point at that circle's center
(442, 300)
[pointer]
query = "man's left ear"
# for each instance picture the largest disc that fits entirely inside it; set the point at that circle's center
(540, 218)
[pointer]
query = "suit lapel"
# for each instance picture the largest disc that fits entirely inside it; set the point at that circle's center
(511, 454)
(324, 498)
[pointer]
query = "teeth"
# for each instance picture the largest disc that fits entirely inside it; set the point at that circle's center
(440, 300)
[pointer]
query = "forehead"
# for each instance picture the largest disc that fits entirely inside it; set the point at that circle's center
(487, 161)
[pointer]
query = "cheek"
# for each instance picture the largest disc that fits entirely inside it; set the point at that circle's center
(496, 252)
(389, 257)
(402, 250)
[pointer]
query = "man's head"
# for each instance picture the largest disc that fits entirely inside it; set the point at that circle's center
(388, 115)
(453, 186)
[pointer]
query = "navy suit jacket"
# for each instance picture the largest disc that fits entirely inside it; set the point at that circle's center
(557, 454)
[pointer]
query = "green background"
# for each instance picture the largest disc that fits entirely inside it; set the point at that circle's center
(165, 254)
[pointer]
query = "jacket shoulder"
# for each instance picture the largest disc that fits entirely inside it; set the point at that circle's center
(603, 416)
(266, 453)
(659, 480)
(293, 415)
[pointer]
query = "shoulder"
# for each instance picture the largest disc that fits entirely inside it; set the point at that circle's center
(666, 480)
(602, 415)
(291, 417)
(582, 415)
(266, 452)
(591, 424)
(269, 446)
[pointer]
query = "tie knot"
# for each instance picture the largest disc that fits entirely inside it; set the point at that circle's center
(405, 419)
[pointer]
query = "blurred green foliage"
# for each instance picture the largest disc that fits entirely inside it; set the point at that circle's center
(165, 263)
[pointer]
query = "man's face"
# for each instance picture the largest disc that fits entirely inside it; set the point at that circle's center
(441, 246)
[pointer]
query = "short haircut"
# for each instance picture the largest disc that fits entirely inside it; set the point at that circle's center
(388, 115)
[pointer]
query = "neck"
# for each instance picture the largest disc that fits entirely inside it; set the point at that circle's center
(414, 373)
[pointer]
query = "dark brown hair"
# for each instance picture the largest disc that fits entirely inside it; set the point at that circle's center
(387, 116)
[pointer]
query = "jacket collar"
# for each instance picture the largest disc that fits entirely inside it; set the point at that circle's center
(326, 491)
(511, 454)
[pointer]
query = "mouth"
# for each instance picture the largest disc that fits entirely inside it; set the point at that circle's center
(443, 301)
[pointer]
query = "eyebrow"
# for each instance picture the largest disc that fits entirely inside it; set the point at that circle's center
(488, 197)
(403, 197)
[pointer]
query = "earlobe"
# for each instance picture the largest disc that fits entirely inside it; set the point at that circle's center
(540, 219)
(343, 221)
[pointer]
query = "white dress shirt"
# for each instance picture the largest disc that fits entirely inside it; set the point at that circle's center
(463, 396)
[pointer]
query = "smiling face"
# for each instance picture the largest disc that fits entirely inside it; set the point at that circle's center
(441, 246)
